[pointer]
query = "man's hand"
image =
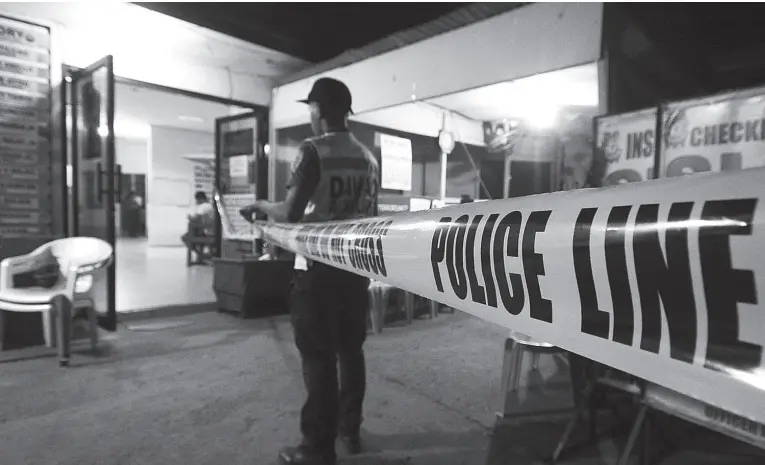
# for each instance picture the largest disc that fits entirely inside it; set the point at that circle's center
(249, 211)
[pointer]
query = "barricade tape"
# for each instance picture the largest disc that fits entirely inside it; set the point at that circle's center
(660, 279)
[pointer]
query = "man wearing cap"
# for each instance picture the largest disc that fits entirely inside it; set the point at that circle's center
(334, 178)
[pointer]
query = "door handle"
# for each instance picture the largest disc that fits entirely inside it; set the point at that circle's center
(118, 182)
(99, 183)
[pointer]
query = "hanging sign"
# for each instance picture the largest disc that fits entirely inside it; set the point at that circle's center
(23, 69)
(20, 174)
(720, 133)
(18, 157)
(9, 97)
(663, 279)
(396, 163)
(19, 202)
(628, 143)
(33, 37)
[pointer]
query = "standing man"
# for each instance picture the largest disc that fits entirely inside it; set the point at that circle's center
(334, 177)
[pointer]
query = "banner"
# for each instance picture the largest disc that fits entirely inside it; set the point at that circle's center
(628, 142)
(664, 280)
(719, 133)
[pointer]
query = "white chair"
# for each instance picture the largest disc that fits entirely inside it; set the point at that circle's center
(79, 258)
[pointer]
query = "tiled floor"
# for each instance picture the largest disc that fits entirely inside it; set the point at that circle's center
(151, 277)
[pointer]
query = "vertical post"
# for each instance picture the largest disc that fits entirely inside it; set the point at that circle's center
(62, 308)
(506, 177)
(443, 175)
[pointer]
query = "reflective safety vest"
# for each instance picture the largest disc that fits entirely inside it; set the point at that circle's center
(349, 182)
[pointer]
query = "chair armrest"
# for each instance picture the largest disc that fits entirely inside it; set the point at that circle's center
(15, 265)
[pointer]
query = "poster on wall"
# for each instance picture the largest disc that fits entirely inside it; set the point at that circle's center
(719, 133)
(238, 166)
(204, 178)
(396, 163)
(25, 171)
(628, 143)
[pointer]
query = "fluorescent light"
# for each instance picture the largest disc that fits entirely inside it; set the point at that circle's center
(191, 119)
(131, 129)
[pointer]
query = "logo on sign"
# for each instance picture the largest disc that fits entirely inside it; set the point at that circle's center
(611, 147)
(676, 129)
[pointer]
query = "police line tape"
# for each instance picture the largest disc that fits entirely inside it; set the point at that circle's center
(661, 279)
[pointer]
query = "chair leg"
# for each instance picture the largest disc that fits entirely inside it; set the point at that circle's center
(63, 308)
(48, 328)
(409, 307)
(375, 310)
(637, 426)
(93, 325)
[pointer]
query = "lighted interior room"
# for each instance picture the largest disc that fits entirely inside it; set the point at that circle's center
(165, 147)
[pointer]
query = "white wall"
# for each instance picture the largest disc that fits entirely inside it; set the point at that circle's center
(166, 210)
(132, 155)
(151, 47)
(425, 120)
(532, 39)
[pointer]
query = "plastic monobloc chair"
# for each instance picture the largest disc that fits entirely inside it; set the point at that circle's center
(79, 259)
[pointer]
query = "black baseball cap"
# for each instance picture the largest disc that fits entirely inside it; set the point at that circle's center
(330, 92)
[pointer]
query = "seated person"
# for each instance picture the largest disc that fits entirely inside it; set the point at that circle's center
(201, 223)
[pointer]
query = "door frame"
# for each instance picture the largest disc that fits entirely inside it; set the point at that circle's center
(70, 140)
(262, 132)
(67, 148)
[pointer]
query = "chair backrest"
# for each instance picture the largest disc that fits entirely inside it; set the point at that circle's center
(81, 252)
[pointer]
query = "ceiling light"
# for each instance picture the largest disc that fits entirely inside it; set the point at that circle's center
(191, 119)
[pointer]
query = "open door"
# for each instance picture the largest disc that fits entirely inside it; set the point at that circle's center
(96, 179)
(241, 174)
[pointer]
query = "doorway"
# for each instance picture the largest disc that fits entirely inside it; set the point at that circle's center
(137, 155)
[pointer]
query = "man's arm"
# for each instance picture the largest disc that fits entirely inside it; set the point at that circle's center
(300, 187)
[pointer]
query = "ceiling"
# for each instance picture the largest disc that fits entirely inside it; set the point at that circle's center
(311, 31)
(536, 99)
(577, 86)
(138, 108)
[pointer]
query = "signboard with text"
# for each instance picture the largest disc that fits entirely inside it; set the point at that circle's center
(25, 146)
(718, 133)
(628, 143)
(396, 163)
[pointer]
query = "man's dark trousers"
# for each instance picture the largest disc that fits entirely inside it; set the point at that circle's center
(329, 314)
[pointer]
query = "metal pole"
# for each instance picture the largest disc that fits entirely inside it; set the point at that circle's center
(443, 176)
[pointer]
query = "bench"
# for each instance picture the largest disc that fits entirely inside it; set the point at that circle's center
(198, 244)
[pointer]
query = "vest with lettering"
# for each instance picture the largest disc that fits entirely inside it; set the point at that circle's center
(349, 181)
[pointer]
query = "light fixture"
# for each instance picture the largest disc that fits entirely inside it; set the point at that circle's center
(446, 141)
(191, 119)
(267, 149)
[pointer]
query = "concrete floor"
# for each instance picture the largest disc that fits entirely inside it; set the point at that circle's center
(210, 389)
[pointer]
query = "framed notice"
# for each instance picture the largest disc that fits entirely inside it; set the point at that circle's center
(718, 133)
(396, 163)
(628, 143)
(25, 145)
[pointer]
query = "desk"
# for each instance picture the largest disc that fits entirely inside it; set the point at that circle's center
(251, 287)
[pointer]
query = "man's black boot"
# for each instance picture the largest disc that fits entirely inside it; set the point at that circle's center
(302, 456)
